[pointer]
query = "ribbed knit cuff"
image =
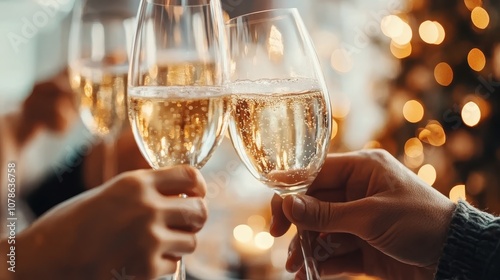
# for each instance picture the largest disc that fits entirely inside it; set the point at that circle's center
(472, 249)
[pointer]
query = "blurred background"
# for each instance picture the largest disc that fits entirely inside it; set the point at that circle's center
(418, 78)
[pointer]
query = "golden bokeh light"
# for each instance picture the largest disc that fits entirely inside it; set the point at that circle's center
(414, 162)
(432, 32)
(458, 193)
(264, 240)
(405, 37)
(484, 106)
(341, 61)
(392, 26)
(243, 233)
(441, 32)
(480, 18)
(257, 222)
(335, 129)
(401, 51)
(413, 111)
(428, 32)
(372, 145)
(443, 73)
(433, 134)
(476, 59)
(471, 114)
(414, 148)
(341, 107)
(471, 4)
(428, 174)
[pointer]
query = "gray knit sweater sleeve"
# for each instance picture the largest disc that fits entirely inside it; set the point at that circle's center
(472, 249)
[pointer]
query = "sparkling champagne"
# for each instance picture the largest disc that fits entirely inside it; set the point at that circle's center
(281, 131)
(101, 95)
(179, 124)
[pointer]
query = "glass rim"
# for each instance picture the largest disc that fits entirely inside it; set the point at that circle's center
(178, 3)
(285, 11)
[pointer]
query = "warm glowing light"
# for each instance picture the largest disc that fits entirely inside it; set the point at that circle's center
(414, 148)
(341, 61)
(243, 233)
(441, 32)
(471, 114)
(458, 193)
(401, 51)
(341, 108)
(264, 240)
(413, 111)
(414, 162)
(257, 222)
(443, 73)
(480, 17)
(433, 134)
(405, 37)
(428, 32)
(432, 32)
(335, 129)
(373, 145)
(476, 59)
(471, 4)
(484, 106)
(392, 26)
(428, 174)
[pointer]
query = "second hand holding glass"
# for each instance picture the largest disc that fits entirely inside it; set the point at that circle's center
(281, 120)
(177, 107)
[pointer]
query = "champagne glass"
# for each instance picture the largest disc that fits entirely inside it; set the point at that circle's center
(100, 40)
(177, 107)
(281, 120)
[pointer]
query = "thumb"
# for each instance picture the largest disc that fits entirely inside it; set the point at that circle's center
(309, 213)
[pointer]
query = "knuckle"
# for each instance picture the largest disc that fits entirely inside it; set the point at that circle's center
(379, 156)
(132, 181)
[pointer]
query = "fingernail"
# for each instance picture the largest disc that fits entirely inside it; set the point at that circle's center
(271, 226)
(298, 208)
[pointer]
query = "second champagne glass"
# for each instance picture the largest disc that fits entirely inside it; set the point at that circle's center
(281, 121)
(177, 107)
(101, 34)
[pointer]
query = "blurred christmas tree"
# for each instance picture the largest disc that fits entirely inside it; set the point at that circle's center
(444, 110)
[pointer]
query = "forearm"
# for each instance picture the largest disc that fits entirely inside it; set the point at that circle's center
(472, 249)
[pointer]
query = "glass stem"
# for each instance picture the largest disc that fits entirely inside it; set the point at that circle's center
(110, 163)
(311, 271)
(180, 272)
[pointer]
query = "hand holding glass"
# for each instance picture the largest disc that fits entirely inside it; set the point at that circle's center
(177, 107)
